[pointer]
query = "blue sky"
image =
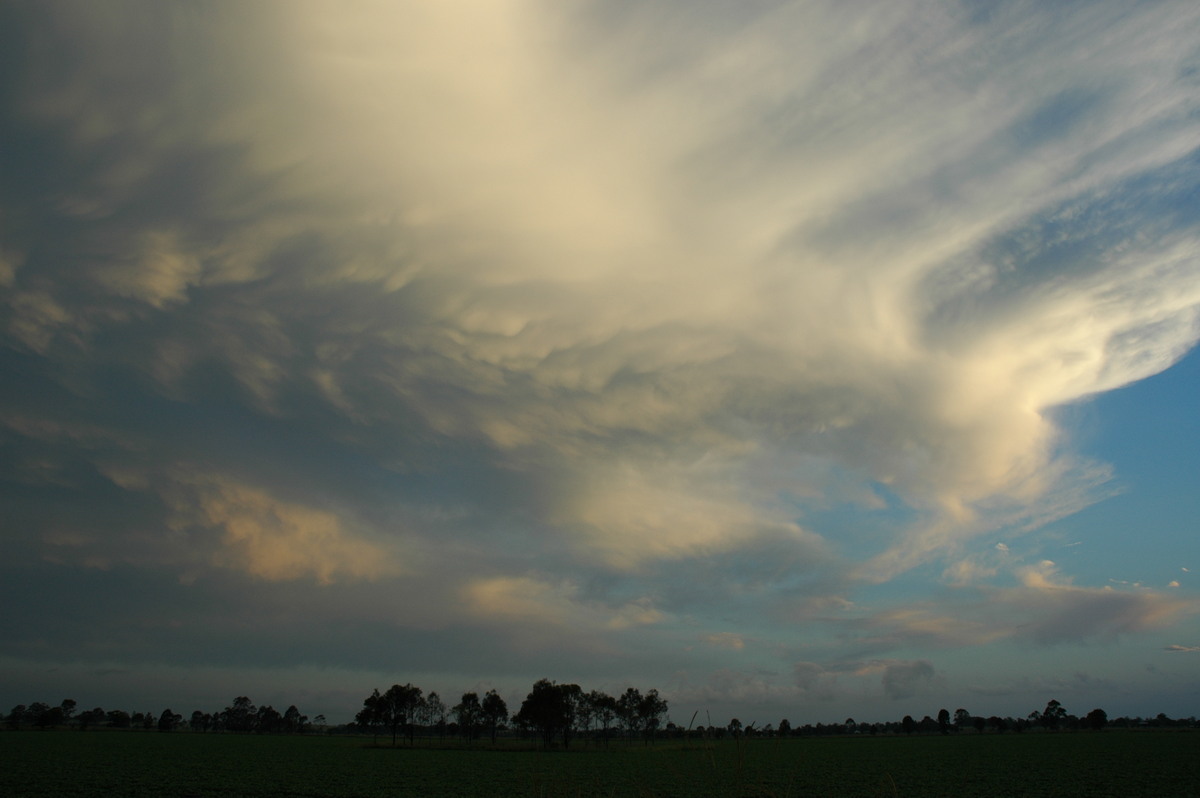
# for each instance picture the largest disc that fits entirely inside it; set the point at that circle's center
(806, 360)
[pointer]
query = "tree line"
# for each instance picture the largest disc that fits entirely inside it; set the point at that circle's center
(552, 713)
(240, 716)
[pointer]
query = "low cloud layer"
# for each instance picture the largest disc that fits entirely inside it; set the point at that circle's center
(559, 308)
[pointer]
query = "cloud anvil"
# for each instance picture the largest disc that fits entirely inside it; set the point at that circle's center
(753, 353)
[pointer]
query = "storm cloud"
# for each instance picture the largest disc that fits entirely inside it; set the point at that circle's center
(529, 318)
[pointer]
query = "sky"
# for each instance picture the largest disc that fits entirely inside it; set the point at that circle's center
(799, 360)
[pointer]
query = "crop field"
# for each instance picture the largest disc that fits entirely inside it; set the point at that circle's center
(189, 765)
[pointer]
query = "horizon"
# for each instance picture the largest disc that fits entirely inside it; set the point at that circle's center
(796, 355)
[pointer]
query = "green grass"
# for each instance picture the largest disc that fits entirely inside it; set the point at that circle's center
(1111, 763)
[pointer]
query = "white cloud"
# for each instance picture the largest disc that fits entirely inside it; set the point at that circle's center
(534, 602)
(729, 640)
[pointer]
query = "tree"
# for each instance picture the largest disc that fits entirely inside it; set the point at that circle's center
(200, 721)
(735, 727)
(16, 715)
(627, 710)
(268, 720)
(785, 728)
(169, 721)
(551, 709)
(67, 707)
(962, 719)
(944, 721)
(908, 724)
(240, 716)
(46, 716)
(119, 719)
(650, 713)
(495, 712)
(371, 714)
(1097, 719)
(397, 706)
(90, 717)
(604, 709)
(293, 721)
(1053, 715)
(435, 712)
(468, 713)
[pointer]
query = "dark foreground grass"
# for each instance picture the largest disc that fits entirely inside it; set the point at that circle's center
(101, 763)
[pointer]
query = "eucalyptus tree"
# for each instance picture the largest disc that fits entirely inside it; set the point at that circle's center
(468, 713)
(435, 712)
(552, 709)
(651, 709)
(495, 712)
(370, 716)
(628, 710)
(398, 707)
(603, 709)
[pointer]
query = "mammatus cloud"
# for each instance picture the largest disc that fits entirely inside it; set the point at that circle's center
(584, 274)
(553, 303)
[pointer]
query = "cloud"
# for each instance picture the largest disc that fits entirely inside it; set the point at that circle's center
(906, 679)
(534, 602)
(602, 285)
(1045, 611)
(592, 316)
(1182, 649)
(276, 540)
(728, 640)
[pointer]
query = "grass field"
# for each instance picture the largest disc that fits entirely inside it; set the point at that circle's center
(1110, 763)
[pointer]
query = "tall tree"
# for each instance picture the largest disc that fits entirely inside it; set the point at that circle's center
(268, 720)
(89, 718)
(1053, 715)
(551, 709)
(293, 721)
(604, 709)
(468, 713)
(627, 710)
(495, 712)
(435, 712)
(397, 707)
(169, 721)
(241, 715)
(371, 715)
(651, 710)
